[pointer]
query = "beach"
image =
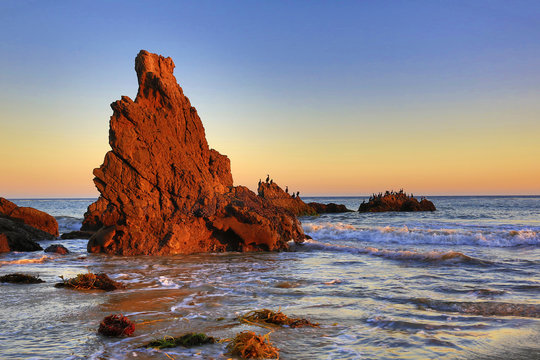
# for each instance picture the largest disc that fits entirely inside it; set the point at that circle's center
(458, 283)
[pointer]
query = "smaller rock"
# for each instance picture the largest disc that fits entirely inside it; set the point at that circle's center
(77, 235)
(58, 249)
(18, 236)
(331, 208)
(30, 216)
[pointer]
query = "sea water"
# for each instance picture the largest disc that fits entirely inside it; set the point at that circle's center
(462, 282)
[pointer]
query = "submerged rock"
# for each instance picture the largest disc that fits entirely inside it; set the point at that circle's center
(58, 249)
(30, 216)
(395, 201)
(164, 191)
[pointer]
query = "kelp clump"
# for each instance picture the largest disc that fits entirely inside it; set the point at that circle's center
(18, 278)
(249, 345)
(187, 340)
(116, 325)
(90, 281)
(265, 316)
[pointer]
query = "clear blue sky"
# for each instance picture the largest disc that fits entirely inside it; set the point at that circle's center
(333, 97)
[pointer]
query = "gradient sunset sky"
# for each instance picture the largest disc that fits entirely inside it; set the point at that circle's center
(329, 98)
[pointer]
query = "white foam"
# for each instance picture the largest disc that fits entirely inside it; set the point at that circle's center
(496, 237)
(68, 223)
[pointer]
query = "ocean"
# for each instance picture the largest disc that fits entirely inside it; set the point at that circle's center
(462, 282)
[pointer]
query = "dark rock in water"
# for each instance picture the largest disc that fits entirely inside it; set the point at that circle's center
(395, 201)
(58, 249)
(20, 279)
(30, 216)
(281, 199)
(18, 236)
(331, 208)
(77, 235)
(164, 191)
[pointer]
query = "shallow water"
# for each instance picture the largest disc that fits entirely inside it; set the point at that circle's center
(459, 283)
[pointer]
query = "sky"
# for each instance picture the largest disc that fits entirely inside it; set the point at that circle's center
(328, 97)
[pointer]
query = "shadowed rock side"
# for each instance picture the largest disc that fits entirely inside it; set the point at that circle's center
(30, 216)
(395, 201)
(20, 227)
(164, 191)
(279, 198)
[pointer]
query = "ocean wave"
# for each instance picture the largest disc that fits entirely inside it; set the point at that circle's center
(68, 223)
(406, 235)
(426, 256)
(483, 308)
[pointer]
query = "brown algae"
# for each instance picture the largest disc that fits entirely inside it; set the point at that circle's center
(90, 281)
(249, 345)
(19, 278)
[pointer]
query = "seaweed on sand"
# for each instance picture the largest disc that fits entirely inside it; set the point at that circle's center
(18, 278)
(90, 281)
(249, 345)
(265, 316)
(116, 325)
(186, 340)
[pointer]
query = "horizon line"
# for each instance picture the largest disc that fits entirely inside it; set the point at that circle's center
(306, 196)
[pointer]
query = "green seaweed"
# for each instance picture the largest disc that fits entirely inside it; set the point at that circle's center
(186, 340)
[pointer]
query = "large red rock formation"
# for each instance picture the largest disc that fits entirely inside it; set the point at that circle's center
(30, 216)
(164, 191)
(395, 201)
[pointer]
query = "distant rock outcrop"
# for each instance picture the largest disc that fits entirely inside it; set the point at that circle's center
(395, 201)
(271, 192)
(330, 208)
(30, 216)
(164, 191)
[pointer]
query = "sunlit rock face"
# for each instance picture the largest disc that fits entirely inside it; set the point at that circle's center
(164, 191)
(271, 192)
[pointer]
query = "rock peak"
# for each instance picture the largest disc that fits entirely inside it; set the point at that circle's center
(159, 66)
